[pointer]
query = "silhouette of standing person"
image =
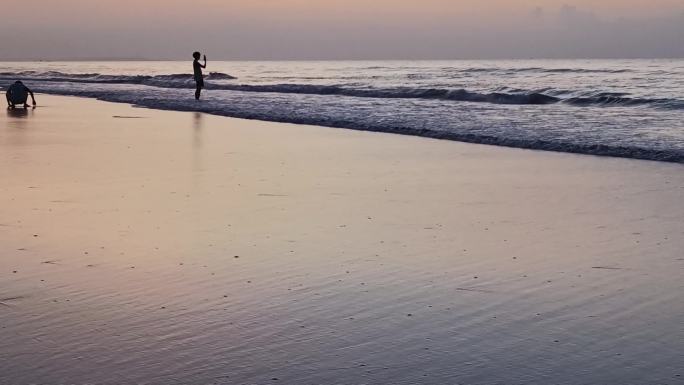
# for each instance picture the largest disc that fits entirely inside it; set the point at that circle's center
(18, 93)
(199, 78)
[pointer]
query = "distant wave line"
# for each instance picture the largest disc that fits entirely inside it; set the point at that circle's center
(218, 81)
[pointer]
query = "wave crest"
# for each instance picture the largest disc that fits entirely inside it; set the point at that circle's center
(501, 95)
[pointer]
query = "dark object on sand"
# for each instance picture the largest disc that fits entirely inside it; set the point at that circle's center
(18, 93)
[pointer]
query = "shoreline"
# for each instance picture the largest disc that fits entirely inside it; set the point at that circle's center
(148, 246)
(601, 150)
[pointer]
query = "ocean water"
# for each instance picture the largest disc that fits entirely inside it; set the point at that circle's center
(625, 108)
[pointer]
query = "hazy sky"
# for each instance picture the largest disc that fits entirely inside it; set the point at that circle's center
(341, 29)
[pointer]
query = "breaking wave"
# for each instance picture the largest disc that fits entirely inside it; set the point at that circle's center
(222, 81)
(583, 110)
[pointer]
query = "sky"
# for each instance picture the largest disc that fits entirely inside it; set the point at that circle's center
(341, 29)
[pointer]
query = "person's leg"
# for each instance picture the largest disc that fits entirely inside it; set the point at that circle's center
(200, 85)
(13, 100)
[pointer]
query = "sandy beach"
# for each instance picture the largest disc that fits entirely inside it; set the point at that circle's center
(156, 247)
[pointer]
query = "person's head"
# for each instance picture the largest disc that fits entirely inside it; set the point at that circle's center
(196, 55)
(18, 82)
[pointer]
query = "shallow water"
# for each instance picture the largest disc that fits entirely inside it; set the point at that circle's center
(627, 108)
(448, 264)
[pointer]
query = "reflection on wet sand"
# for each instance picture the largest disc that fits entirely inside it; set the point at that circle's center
(305, 255)
(18, 117)
(20, 112)
(197, 143)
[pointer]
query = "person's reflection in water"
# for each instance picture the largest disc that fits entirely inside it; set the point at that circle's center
(197, 141)
(17, 118)
(197, 125)
(19, 113)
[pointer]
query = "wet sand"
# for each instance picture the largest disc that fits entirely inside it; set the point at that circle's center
(155, 247)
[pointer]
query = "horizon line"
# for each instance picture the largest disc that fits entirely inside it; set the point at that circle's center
(124, 59)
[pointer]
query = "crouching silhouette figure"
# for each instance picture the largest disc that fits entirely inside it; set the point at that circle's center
(18, 94)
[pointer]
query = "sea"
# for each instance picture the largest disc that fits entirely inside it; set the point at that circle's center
(620, 108)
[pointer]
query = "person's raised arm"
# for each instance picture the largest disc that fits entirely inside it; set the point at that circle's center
(205, 62)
